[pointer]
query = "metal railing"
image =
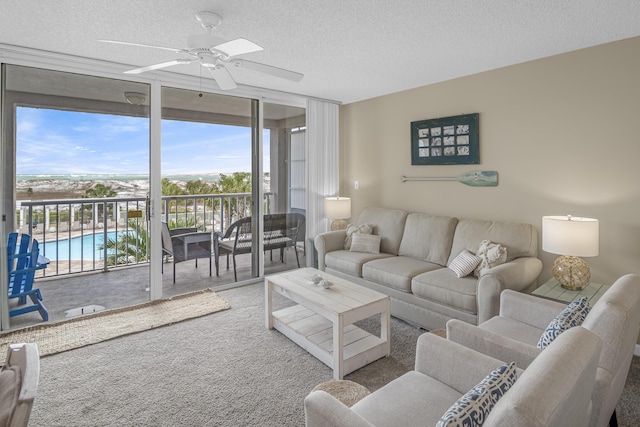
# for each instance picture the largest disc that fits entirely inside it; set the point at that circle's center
(81, 235)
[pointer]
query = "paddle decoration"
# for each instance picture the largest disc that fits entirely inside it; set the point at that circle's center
(473, 179)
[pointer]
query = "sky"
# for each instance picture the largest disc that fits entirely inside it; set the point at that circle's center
(66, 142)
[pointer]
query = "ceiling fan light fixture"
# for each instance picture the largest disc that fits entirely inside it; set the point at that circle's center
(135, 98)
(209, 19)
(213, 53)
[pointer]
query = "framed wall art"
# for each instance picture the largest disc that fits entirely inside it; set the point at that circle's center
(445, 141)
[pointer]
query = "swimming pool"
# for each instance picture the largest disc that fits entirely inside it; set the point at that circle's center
(81, 247)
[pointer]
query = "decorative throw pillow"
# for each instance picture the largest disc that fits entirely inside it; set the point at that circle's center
(473, 408)
(573, 315)
(491, 254)
(365, 243)
(356, 228)
(464, 263)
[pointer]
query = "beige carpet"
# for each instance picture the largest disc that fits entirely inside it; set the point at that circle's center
(96, 327)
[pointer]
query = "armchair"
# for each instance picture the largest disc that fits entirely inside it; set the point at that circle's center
(184, 244)
(514, 333)
(555, 390)
(19, 384)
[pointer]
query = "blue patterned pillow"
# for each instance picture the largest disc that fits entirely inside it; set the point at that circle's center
(573, 315)
(473, 408)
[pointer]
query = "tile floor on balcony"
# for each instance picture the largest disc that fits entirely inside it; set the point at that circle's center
(126, 286)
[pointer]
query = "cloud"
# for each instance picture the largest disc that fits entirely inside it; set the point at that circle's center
(66, 142)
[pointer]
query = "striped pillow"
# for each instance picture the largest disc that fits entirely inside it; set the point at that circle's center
(465, 263)
(365, 243)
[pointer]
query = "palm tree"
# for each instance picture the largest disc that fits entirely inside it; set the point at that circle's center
(238, 182)
(128, 247)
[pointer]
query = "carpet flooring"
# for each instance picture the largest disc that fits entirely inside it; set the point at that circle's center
(224, 369)
(54, 337)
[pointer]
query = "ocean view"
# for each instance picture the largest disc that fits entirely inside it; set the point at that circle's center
(114, 177)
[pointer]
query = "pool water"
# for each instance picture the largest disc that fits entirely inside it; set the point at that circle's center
(81, 247)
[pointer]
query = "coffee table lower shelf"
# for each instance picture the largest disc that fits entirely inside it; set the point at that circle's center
(314, 333)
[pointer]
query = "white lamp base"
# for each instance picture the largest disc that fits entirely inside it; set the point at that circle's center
(571, 272)
(338, 224)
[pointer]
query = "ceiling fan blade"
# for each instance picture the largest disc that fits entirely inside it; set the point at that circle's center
(161, 65)
(238, 47)
(171, 49)
(223, 78)
(268, 69)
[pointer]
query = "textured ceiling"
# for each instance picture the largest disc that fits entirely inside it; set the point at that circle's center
(347, 50)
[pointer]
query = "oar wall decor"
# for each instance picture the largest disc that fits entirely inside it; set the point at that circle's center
(474, 179)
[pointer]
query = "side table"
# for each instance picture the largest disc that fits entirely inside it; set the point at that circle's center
(552, 290)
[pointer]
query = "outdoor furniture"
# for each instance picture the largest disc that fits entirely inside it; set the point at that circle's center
(281, 231)
(184, 244)
(22, 263)
(19, 384)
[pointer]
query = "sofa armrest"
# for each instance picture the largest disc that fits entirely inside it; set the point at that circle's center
(518, 275)
(530, 309)
(462, 372)
(491, 344)
(323, 410)
(327, 242)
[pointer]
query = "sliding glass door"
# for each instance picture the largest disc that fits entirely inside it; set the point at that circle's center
(75, 160)
(208, 175)
(94, 166)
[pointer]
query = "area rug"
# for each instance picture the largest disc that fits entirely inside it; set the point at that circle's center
(96, 327)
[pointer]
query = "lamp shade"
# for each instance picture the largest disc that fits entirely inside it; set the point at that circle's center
(572, 236)
(337, 207)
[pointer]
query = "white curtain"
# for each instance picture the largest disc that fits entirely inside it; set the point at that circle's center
(322, 162)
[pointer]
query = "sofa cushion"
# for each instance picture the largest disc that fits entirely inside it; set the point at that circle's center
(444, 287)
(350, 262)
(512, 329)
(396, 272)
(356, 229)
(520, 239)
(389, 225)
(473, 407)
(464, 264)
(365, 243)
(428, 238)
(416, 399)
(573, 315)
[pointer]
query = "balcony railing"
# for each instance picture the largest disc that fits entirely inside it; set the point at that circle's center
(79, 235)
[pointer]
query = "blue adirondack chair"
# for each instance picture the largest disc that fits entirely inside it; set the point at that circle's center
(22, 262)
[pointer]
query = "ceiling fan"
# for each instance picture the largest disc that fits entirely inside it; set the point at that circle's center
(215, 54)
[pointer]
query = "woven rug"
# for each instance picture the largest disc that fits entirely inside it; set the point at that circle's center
(96, 327)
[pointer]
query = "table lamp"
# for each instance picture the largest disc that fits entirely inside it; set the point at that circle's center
(338, 209)
(571, 238)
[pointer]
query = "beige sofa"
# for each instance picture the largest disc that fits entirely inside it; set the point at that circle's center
(415, 250)
(555, 390)
(513, 335)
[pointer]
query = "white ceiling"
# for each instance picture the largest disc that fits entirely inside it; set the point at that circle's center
(348, 50)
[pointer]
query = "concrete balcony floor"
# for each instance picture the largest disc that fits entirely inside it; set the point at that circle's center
(126, 286)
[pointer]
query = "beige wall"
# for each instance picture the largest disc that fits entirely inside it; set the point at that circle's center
(562, 132)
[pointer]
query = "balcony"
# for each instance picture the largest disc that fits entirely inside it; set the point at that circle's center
(71, 280)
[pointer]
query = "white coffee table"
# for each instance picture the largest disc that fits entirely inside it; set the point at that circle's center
(322, 321)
